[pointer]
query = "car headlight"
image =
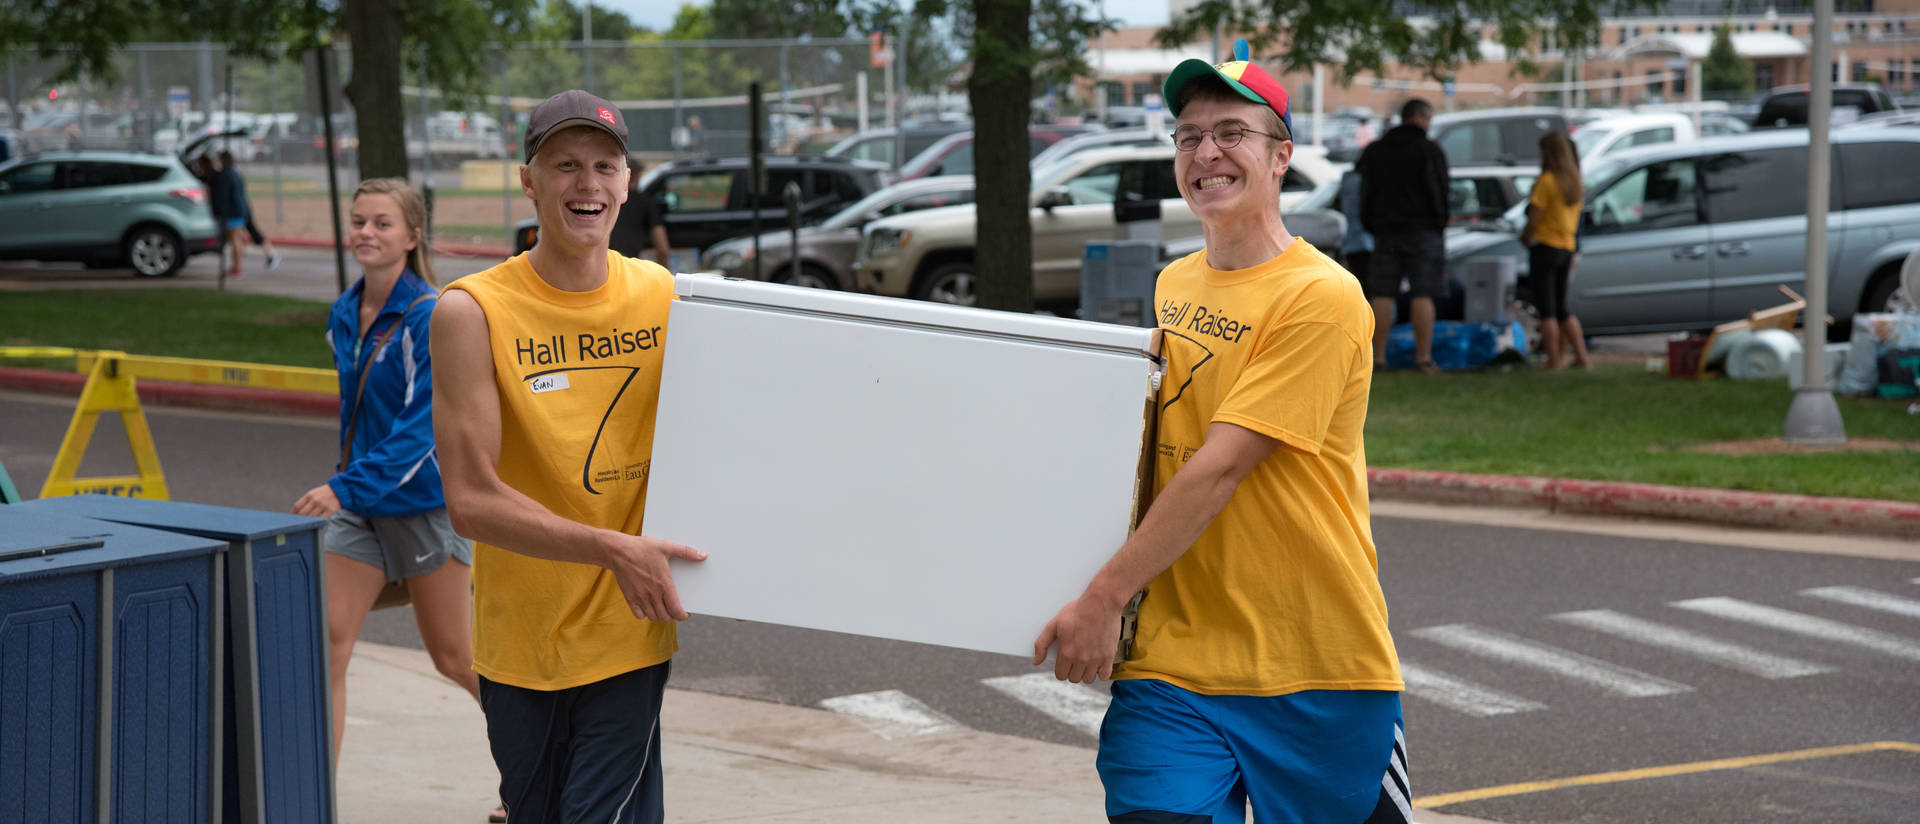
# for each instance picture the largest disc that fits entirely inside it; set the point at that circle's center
(886, 240)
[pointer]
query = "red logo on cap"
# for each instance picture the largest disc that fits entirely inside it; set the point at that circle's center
(606, 115)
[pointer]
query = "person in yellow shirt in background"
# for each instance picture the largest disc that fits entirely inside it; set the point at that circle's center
(1261, 669)
(1551, 238)
(547, 375)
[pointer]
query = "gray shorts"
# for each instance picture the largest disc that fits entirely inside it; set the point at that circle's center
(404, 546)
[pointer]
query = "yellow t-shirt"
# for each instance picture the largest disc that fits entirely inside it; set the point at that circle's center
(1282, 591)
(1556, 220)
(579, 381)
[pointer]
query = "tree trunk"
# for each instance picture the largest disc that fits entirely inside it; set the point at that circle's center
(999, 89)
(375, 29)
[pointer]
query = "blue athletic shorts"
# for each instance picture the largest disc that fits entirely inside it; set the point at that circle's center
(235, 224)
(1171, 756)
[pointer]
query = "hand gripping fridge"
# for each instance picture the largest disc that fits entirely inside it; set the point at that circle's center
(894, 468)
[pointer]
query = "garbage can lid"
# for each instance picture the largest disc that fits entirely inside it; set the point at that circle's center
(35, 542)
(223, 522)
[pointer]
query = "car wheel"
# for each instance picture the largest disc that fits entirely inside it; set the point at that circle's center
(811, 276)
(949, 283)
(154, 252)
(1878, 296)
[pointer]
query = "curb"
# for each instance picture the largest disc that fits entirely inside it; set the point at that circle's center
(462, 249)
(1767, 510)
(179, 394)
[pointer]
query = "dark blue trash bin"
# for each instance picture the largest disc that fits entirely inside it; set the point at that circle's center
(277, 760)
(109, 649)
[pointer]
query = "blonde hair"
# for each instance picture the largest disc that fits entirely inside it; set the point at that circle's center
(413, 210)
(1558, 158)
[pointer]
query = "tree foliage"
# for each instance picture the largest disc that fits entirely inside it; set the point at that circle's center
(1356, 36)
(1724, 71)
(445, 38)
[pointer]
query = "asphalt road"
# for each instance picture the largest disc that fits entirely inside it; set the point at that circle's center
(1505, 685)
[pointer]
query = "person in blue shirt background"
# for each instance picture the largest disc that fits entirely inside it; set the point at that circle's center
(387, 516)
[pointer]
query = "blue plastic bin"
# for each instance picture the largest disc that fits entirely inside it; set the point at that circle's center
(109, 650)
(276, 762)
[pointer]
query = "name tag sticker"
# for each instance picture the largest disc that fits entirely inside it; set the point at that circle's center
(550, 383)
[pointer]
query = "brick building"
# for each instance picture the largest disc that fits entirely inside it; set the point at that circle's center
(1639, 59)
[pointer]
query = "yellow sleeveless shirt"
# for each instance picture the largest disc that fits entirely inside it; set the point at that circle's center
(579, 380)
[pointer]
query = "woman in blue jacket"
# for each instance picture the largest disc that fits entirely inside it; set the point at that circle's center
(387, 515)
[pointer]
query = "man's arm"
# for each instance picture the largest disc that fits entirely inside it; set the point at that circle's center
(1088, 628)
(466, 428)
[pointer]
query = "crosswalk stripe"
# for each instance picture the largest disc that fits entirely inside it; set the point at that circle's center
(1500, 646)
(1725, 653)
(1869, 598)
(1459, 694)
(892, 714)
(1071, 704)
(1808, 625)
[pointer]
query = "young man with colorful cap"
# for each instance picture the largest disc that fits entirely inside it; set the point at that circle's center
(1260, 668)
(546, 379)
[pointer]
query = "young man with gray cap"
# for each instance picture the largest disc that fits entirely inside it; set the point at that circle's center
(1260, 668)
(546, 380)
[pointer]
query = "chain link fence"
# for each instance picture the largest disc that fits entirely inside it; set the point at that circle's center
(681, 99)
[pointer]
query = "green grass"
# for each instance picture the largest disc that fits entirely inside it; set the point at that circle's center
(1620, 423)
(486, 231)
(184, 323)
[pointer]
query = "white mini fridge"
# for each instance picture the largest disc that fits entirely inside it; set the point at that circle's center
(894, 468)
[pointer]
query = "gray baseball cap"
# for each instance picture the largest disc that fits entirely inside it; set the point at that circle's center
(574, 108)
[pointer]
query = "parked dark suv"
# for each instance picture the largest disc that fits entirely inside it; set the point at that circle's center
(706, 200)
(1502, 137)
(1786, 106)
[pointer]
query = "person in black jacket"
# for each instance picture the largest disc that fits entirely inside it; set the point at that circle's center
(1404, 204)
(640, 228)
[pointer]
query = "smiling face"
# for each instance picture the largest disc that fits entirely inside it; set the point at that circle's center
(577, 182)
(380, 237)
(1219, 183)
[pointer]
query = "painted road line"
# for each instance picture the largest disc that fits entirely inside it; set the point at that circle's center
(1643, 773)
(1808, 625)
(892, 714)
(1511, 649)
(1724, 653)
(1869, 598)
(1071, 704)
(1461, 695)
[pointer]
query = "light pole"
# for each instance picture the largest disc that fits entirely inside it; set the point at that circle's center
(1814, 417)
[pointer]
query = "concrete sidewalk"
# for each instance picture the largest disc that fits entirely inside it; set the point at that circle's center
(416, 751)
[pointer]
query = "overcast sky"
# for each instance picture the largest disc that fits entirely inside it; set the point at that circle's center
(658, 14)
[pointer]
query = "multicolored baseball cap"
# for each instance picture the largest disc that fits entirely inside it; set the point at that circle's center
(575, 108)
(1240, 74)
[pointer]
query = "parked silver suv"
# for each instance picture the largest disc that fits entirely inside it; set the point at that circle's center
(143, 211)
(1687, 236)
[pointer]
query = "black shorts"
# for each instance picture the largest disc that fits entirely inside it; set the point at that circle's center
(589, 753)
(1418, 257)
(1548, 270)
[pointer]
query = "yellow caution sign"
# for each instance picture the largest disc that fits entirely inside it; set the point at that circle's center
(110, 388)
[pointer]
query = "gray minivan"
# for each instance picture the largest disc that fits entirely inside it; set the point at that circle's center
(1687, 236)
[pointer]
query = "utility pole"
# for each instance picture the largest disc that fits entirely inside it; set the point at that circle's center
(1814, 417)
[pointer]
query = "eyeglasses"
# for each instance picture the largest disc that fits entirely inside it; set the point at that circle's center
(1225, 135)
